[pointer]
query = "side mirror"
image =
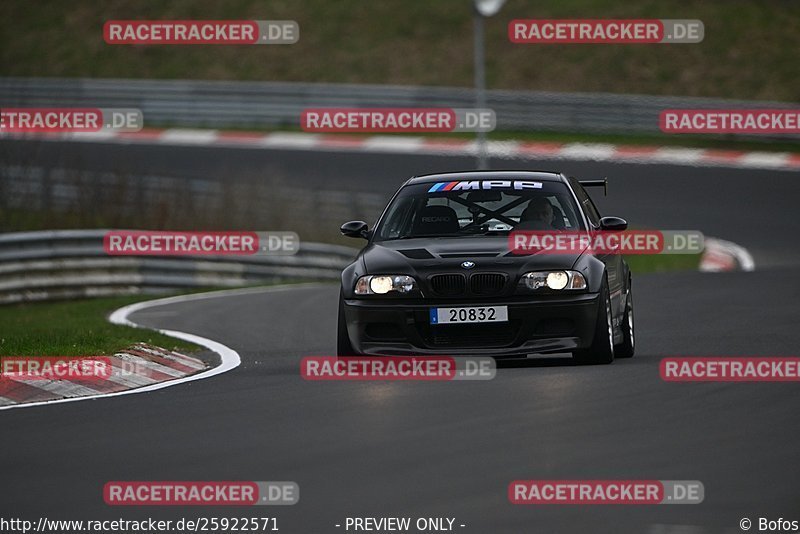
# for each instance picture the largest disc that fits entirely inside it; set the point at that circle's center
(355, 229)
(613, 224)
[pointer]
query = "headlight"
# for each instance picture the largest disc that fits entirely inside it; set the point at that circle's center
(385, 283)
(556, 280)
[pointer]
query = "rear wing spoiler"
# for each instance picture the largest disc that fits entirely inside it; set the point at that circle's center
(596, 183)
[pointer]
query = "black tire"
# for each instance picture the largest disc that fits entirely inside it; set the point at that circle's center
(601, 350)
(627, 347)
(343, 345)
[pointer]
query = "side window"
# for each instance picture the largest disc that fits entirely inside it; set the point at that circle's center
(586, 202)
(564, 211)
(398, 219)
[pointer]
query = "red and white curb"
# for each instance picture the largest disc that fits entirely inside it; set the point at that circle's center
(400, 144)
(140, 365)
(722, 256)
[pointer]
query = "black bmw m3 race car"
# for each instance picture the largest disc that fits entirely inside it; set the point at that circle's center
(440, 276)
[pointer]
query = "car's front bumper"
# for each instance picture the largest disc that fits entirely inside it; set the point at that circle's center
(537, 324)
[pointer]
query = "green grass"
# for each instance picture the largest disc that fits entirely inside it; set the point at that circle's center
(655, 263)
(74, 328)
(749, 50)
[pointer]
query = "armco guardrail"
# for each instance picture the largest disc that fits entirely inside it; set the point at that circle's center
(72, 263)
(274, 104)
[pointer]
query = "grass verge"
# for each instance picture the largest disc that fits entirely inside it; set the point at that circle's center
(656, 263)
(75, 328)
(749, 50)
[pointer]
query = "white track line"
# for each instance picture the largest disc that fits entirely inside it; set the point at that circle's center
(230, 358)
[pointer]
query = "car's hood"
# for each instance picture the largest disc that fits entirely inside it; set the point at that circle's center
(424, 256)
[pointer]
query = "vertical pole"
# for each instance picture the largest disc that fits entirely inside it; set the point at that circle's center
(480, 87)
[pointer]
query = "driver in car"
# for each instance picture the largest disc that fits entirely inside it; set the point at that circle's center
(538, 215)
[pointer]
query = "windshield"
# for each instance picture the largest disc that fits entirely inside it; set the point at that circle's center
(478, 208)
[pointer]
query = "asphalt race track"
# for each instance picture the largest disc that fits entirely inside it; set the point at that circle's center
(451, 449)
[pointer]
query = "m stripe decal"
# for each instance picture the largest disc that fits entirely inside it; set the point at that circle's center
(442, 186)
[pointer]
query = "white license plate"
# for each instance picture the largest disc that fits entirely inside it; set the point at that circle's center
(472, 314)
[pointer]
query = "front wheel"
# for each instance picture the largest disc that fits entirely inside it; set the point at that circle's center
(601, 350)
(626, 348)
